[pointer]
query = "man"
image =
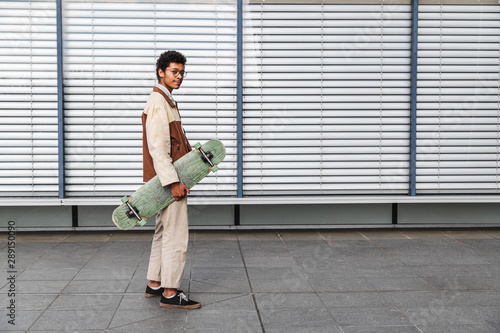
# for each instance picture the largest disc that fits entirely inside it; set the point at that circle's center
(164, 142)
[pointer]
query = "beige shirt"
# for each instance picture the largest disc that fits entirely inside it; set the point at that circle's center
(159, 115)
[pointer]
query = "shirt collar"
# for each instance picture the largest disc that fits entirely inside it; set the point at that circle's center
(165, 90)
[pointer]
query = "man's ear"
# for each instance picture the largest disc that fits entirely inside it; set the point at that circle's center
(161, 73)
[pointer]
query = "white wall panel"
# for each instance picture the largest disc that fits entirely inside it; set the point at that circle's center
(458, 99)
(325, 103)
(326, 98)
(109, 60)
(28, 99)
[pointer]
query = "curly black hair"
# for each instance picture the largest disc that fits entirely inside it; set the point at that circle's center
(166, 58)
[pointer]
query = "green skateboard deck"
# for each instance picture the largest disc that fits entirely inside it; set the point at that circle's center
(151, 197)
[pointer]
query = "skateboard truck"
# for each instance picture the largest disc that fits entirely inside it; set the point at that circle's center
(207, 157)
(133, 212)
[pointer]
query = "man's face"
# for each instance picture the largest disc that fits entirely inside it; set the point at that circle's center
(171, 78)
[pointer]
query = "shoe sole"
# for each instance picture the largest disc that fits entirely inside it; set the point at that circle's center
(151, 295)
(173, 306)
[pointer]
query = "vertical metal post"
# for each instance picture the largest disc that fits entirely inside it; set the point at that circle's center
(239, 32)
(60, 101)
(413, 85)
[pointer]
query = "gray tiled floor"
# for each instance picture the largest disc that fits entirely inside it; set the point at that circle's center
(358, 281)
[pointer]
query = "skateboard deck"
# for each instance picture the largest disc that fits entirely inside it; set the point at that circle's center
(151, 197)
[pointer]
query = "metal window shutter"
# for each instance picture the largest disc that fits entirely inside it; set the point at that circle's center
(326, 98)
(109, 61)
(28, 99)
(458, 99)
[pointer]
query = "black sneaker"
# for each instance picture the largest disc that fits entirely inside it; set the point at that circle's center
(150, 292)
(179, 301)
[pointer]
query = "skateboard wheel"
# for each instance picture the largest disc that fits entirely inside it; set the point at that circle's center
(215, 168)
(124, 199)
(197, 145)
(142, 222)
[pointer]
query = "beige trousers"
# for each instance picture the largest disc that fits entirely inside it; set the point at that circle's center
(170, 242)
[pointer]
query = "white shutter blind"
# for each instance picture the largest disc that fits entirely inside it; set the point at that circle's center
(28, 98)
(326, 97)
(458, 99)
(111, 49)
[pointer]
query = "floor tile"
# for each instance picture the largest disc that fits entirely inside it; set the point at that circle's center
(354, 300)
(148, 320)
(450, 328)
(458, 283)
(341, 235)
(391, 271)
(89, 236)
(209, 235)
(341, 284)
(251, 235)
(399, 283)
(79, 303)
(421, 259)
(446, 270)
(274, 273)
(478, 298)
(381, 329)
(269, 302)
(383, 234)
(30, 302)
(385, 316)
(68, 321)
(221, 273)
(106, 263)
(109, 273)
(131, 302)
(37, 287)
(233, 261)
(22, 320)
(467, 234)
(318, 250)
(300, 235)
(422, 299)
(96, 287)
(48, 274)
(224, 320)
(440, 314)
(132, 236)
(424, 234)
(224, 301)
(309, 329)
(272, 262)
(294, 284)
(319, 270)
(258, 249)
(314, 318)
(492, 232)
(59, 263)
(372, 261)
(490, 314)
(43, 237)
(221, 249)
(352, 244)
(220, 286)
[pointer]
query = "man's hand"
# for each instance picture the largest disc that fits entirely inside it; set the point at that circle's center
(179, 191)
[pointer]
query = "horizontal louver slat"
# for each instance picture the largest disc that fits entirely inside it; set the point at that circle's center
(28, 99)
(458, 99)
(326, 99)
(109, 61)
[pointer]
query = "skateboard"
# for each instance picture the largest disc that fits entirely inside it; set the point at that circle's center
(152, 197)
